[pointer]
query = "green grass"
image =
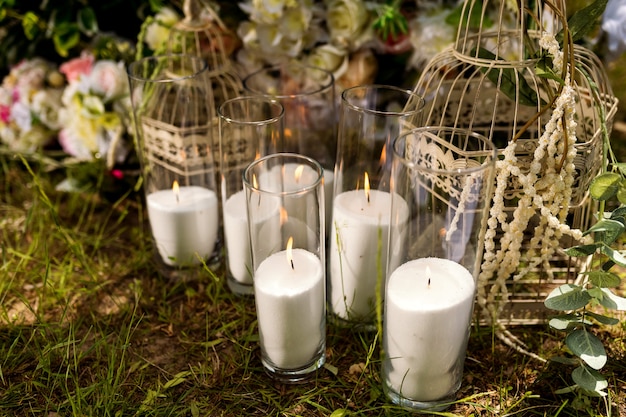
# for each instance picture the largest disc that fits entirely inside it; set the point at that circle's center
(89, 328)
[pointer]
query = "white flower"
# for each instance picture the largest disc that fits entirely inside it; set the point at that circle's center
(158, 32)
(46, 105)
(108, 78)
(346, 20)
(429, 34)
(330, 58)
(614, 24)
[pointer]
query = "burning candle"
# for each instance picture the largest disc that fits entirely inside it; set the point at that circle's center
(428, 308)
(236, 232)
(184, 222)
(358, 248)
(290, 297)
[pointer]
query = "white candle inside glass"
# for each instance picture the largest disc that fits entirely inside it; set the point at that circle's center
(290, 297)
(236, 232)
(358, 248)
(184, 223)
(428, 309)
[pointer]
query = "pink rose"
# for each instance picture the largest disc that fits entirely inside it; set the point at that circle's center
(76, 67)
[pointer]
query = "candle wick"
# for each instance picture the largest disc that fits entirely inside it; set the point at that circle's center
(429, 282)
(177, 198)
(292, 264)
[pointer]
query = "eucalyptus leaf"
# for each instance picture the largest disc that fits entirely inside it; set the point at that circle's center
(610, 230)
(583, 250)
(618, 213)
(621, 192)
(621, 166)
(508, 80)
(605, 186)
(596, 293)
(66, 36)
(613, 301)
(567, 297)
(602, 319)
(566, 321)
(615, 255)
(604, 279)
(590, 380)
(587, 347)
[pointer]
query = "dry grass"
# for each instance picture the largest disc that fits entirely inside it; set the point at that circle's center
(88, 328)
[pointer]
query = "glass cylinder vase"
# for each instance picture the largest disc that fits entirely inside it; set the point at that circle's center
(371, 117)
(285, 201)
(308, 96)
(250, 127)
(175, 145)
(442, 184)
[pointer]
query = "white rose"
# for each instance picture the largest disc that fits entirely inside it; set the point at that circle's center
(158, 32)
(330, 58)
(346, 20)
(79, 138)
(614, 24)
(46, 104)
(20, 113)
(108, 78)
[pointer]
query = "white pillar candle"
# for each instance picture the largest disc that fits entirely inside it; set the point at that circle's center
(236, 232)
(290, 307)
(184, 224)
(428, 308)
(359, 225)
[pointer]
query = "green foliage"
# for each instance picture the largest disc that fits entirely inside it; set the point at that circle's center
(58, 30)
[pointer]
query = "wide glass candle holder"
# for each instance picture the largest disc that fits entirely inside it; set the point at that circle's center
(444, 178)
(285, 200)
(250, 127)
(175, 145)
(371, 117)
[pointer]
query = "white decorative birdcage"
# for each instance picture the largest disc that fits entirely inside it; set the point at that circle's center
(497, 80)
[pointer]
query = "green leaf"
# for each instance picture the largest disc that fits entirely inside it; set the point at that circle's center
(596, 293)
(87, 21)
(587, 347)
(602, 319)
(618, 213)
(566, 321)
(66, 36)
(621, 166)
(30, 24)
(584, 20)
(612, 301)
(621, 192)
(605, 186)
(567, 297)
(604, 279)
(610, 230)
(544, 69)
(590, 380)
(509, 80)
(178, 379)
(615, 255)
(583, 250)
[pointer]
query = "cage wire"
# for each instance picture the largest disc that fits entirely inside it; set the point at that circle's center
(184, 150)
(489, 82)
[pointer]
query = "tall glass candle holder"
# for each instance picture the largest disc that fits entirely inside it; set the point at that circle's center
(250, 127)
(308, 95)
(371, 117)
(444, 177)
(285, 200)
(175, 144)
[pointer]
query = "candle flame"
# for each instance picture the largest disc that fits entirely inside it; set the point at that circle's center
(283, 215)
(383, 156)
(255, 183)
(176, 190)
(289, 251)
(298, 173)
(366, 187)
